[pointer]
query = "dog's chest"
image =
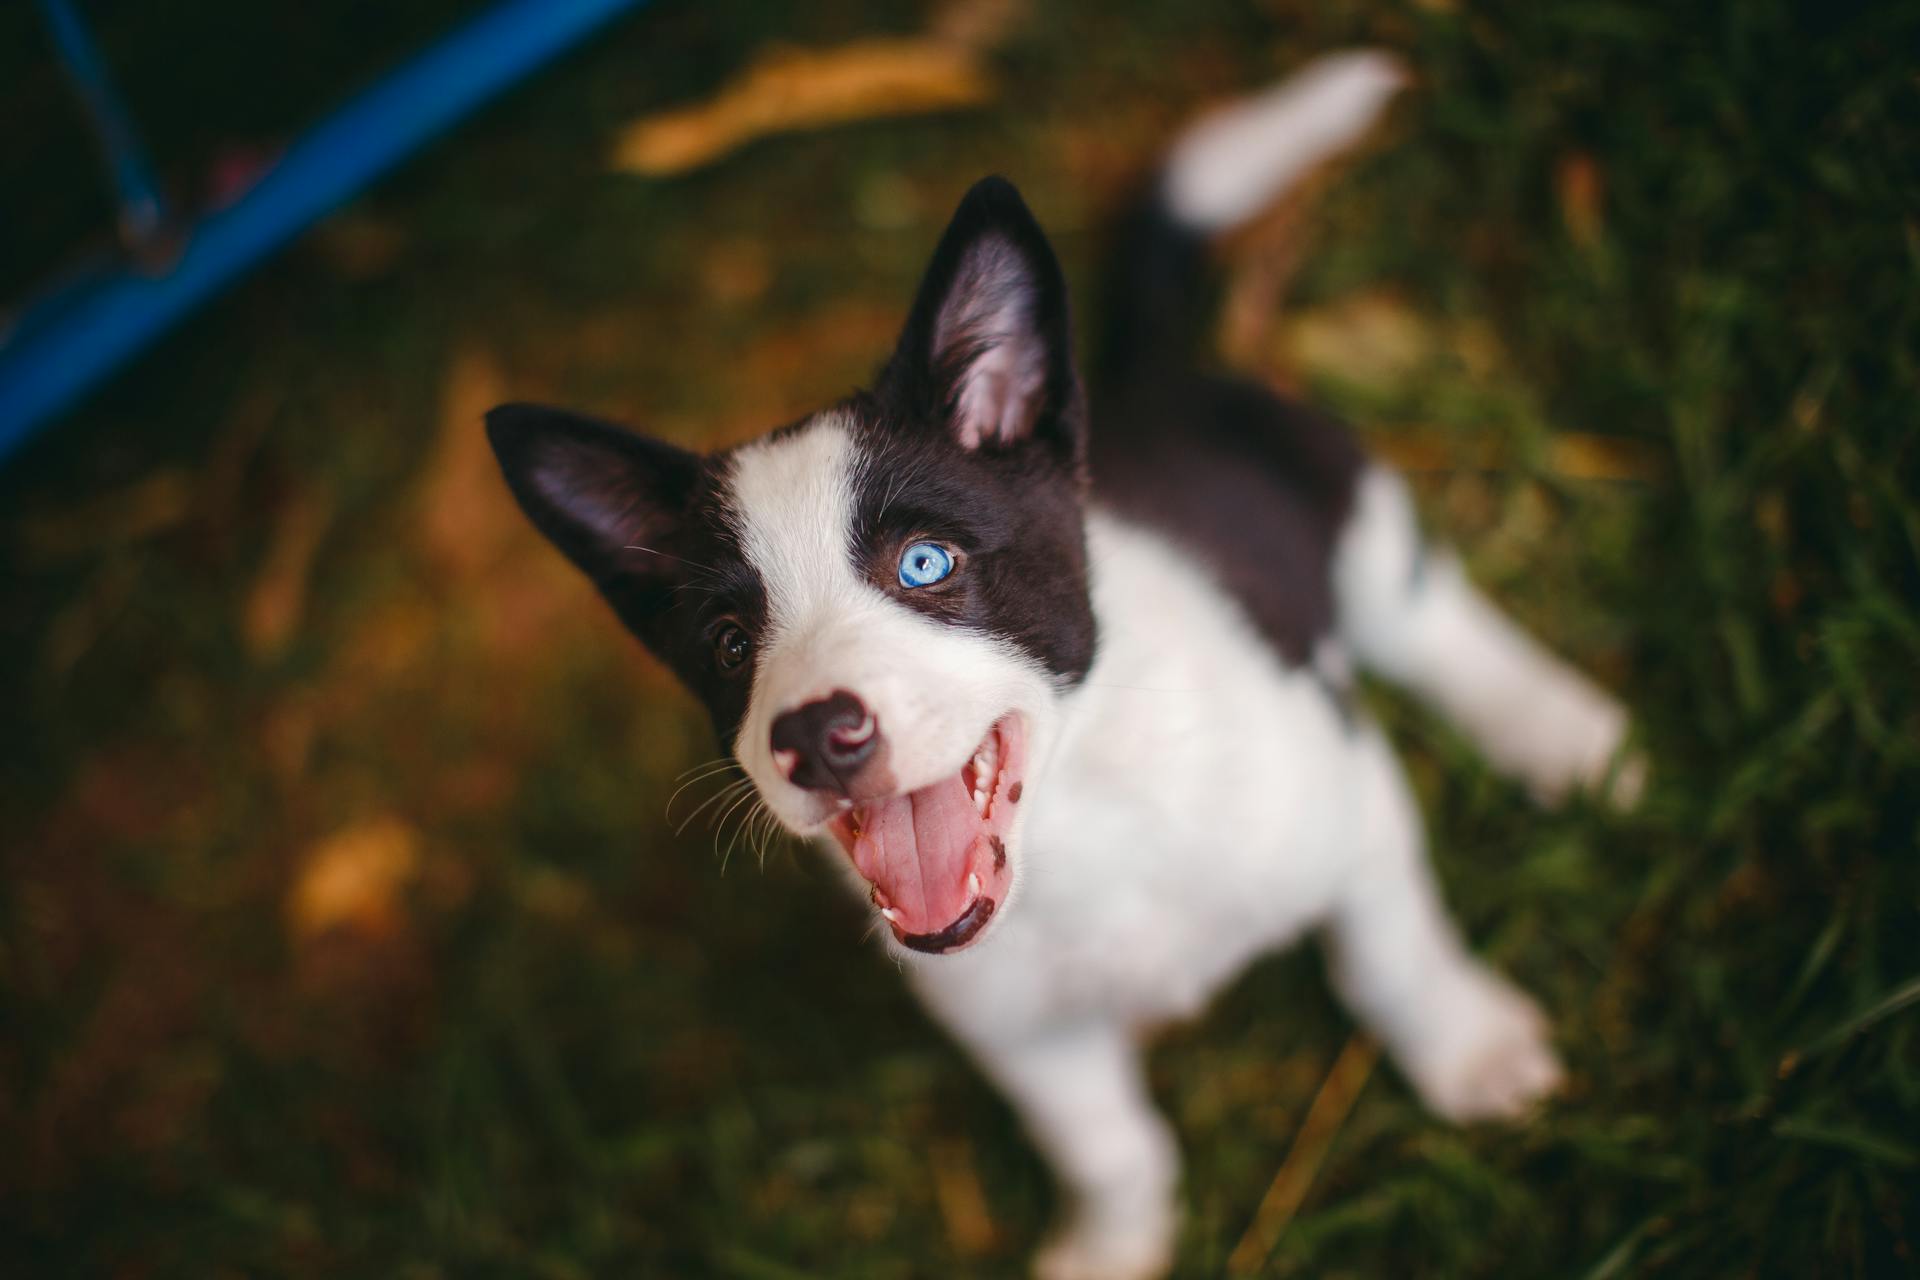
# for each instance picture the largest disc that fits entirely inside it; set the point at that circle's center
(1189, 817)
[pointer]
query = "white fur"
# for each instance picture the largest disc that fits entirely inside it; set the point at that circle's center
(1231, 164)
(1410, 614)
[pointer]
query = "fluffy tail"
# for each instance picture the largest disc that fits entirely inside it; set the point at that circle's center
(1226, 168)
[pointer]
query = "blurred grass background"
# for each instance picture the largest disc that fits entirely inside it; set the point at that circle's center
(341, 927)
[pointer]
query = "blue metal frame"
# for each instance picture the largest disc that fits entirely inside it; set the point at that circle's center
(63, 346)
(141, 208)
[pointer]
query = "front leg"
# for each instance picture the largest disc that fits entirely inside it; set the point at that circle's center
(1474, 1045)
(1081, 1093)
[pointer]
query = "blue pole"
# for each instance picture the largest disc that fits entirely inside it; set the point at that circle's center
(61, 348)
(141, 209)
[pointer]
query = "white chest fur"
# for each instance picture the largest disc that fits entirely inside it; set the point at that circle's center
(1192, 813)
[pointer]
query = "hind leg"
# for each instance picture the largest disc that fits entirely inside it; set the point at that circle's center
(1410, 615)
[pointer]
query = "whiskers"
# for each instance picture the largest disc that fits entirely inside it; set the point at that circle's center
(703, 773)
(699, 577)
(736, 813)
(668, 555)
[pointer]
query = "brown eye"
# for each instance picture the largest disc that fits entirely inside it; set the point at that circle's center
(731, 645)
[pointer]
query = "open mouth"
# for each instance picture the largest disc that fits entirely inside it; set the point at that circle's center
(937, 857)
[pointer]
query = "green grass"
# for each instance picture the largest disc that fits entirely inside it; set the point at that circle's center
(574, 1047)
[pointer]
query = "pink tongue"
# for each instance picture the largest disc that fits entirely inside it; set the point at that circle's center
(915, 849)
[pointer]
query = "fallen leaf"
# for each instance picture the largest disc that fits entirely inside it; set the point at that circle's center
(134, 513)
(1572, 455)
(961, 1199)
(1581, 188)
(353, 880)
(787, 90)
(277, 600)
(1580, 455)
(1370, 339)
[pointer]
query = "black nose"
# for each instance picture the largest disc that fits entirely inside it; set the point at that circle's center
(830, 740)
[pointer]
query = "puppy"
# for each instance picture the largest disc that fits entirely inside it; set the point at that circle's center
(1058, 674)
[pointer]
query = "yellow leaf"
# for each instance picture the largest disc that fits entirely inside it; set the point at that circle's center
(353, 880)
(787, 90)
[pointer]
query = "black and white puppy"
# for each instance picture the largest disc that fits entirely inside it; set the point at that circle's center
(1057, 678)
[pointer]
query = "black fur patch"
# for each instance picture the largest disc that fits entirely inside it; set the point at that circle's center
(1156, 292)
(1258, 488)
(1013, 508)
(1015, 517)
(644, 521)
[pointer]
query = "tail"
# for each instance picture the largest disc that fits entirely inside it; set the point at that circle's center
(1225, 169)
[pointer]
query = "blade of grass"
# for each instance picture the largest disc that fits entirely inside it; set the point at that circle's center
(1846, 1138)
(1901, 997)
(1331, 1106)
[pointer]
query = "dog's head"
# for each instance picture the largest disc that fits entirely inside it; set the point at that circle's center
(881, 604)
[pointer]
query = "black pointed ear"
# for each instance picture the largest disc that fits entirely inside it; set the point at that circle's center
(988, 347)
(602, 494)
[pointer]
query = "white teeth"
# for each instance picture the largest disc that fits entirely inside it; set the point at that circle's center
(986, 769)
(890, 915)
(973, 885)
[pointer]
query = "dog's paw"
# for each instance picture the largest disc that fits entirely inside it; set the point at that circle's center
(1599, 761)
(1085, 1251)
(1578, 744)
(1625, 782)
(1491, 1058)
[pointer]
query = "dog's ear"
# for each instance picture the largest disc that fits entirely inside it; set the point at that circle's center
(988, 348)
(603, 495)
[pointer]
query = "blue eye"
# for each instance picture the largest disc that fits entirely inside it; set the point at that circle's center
(924, 563)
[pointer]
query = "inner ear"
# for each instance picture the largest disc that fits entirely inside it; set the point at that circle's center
(987, 349)
(609, 499)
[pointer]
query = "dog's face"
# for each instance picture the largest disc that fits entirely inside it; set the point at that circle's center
(882, 604)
